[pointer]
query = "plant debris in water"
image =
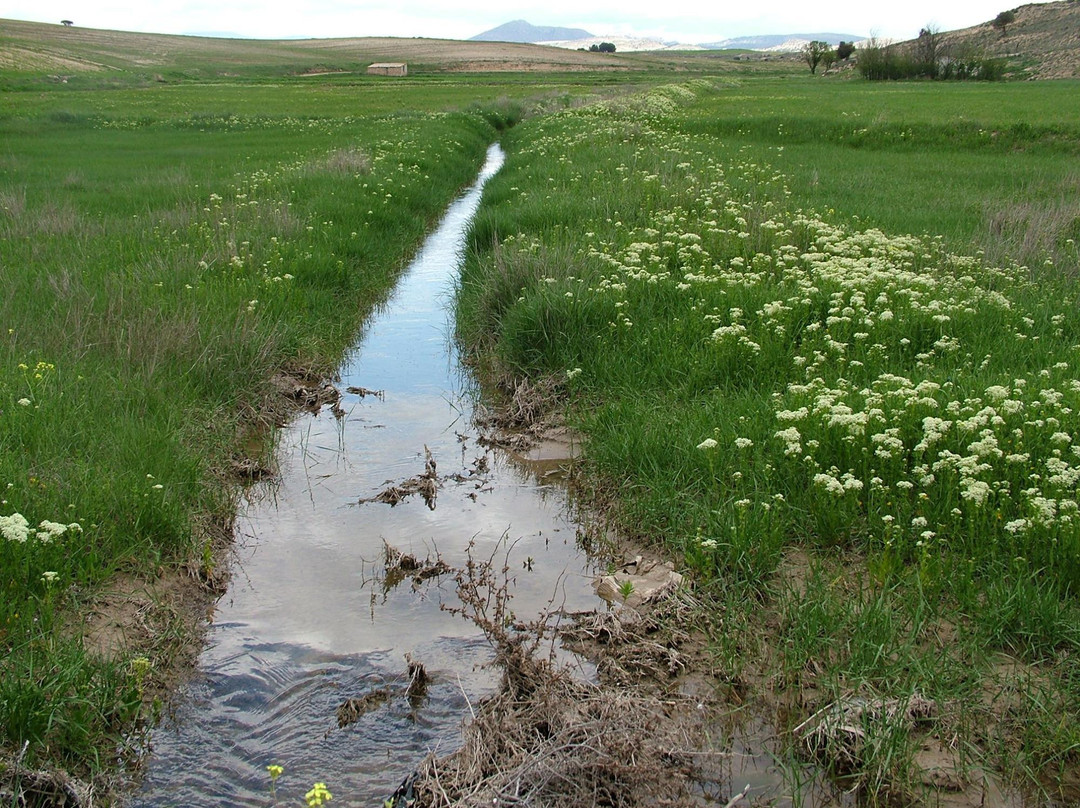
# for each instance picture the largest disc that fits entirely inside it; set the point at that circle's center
(525, 415)
(426, 485)
(548, 738)
(398, 566)
(352, 710)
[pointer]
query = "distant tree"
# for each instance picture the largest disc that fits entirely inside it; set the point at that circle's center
(607, 47)
(66, 22)
(594, 48)
(813, 52)
(927, 52)
(844, 50)
(1004, 20)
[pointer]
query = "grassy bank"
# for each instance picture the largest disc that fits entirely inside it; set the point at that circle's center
(864, 442)
(159, 268)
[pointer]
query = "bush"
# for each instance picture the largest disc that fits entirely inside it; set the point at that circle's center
(926, 60)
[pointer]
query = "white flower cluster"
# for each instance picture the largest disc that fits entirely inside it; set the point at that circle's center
(16, 528)
(892, 361)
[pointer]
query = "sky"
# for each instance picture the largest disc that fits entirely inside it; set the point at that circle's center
(277, 19)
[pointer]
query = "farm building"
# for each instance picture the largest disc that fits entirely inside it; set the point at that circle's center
(388, 69)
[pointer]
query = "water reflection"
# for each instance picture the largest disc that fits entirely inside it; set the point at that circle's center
(307, 624)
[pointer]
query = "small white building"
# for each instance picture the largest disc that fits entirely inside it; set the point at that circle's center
(388, 69)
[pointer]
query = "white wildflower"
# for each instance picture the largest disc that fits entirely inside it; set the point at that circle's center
(1017, 526)
(47, 531)
(830, 484)
(792, 441)
(15, 527)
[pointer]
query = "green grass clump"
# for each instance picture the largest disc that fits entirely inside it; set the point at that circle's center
(754, 377)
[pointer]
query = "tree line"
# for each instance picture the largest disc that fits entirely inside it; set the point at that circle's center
(929, 56)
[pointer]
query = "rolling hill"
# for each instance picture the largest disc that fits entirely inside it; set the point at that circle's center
(42, 48)
(780, 42)
(1043, 42)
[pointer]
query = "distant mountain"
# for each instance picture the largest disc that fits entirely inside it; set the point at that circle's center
(623, 44)
(521, 31)
(780, 42)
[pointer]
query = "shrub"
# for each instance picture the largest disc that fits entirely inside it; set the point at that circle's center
(926, 60)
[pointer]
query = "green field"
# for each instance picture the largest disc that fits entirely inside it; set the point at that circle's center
(158, 271)
(862, 441)
(821, 336)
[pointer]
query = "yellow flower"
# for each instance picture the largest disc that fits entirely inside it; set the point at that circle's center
(275, 771)
(318, 795)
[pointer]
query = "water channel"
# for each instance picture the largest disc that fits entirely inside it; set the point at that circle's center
(308, 623)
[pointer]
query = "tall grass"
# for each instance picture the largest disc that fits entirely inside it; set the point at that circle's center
(157, 272)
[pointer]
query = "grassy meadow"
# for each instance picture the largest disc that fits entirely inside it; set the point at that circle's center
(821, 337)
(162, 258)
(850, 404)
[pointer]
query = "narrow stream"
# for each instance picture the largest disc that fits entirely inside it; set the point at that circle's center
(308, 623)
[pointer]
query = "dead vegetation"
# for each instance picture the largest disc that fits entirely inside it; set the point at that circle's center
(342, 163)
(1030, 232)
(311, 395)
(353, 709)
(841, 734)
(399, 566)
(425, 484)
(548, 737)
(22, 787)
(527, 410)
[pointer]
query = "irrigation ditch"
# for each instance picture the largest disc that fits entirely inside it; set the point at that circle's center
(416, 561)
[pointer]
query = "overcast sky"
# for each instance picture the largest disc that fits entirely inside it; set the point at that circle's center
(272, 19)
